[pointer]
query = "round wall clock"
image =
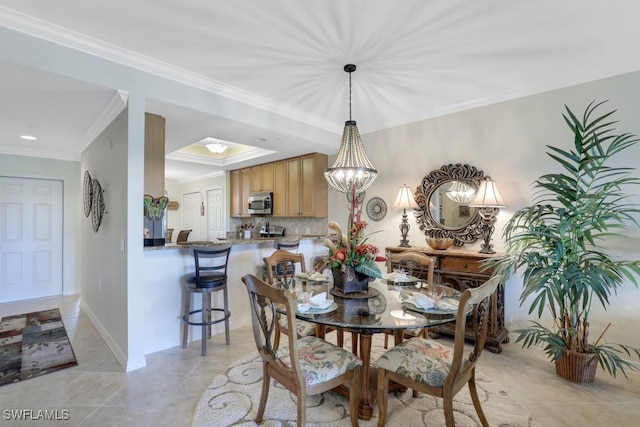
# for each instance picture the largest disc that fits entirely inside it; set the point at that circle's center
(376, 208)
(97, 209)
(87, 193)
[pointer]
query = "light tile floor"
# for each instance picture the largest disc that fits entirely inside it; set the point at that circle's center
(166, 392)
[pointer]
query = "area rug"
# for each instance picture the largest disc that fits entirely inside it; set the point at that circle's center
(232, 400)
(33, 344)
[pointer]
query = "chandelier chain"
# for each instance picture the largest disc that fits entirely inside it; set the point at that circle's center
(350, 96)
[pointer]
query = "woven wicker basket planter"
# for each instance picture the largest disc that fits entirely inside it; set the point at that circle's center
(577, 367)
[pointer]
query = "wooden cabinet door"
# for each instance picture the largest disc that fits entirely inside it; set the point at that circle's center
(293, 187)
(255, 179)
(280, 188)
(246, 190)
(236, 193)
(267, 177)
(307, 185)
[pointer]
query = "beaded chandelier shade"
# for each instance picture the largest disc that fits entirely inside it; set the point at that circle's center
(352, 172)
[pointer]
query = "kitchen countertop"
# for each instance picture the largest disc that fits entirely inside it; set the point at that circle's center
(257, 240)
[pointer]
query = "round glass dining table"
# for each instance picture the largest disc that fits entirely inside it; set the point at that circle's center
(386, 307)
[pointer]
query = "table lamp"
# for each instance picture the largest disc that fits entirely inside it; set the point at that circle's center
(404, 200)
(487, 200)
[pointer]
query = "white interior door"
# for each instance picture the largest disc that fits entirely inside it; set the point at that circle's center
(30, 238)
(215, 218)
(191, 218)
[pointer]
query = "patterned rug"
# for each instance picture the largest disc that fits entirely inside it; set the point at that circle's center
(33, 344)
(232, 399)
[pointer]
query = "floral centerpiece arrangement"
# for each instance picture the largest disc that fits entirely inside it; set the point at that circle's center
(350, 257)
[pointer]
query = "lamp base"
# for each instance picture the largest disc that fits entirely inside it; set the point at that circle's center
(404, 231)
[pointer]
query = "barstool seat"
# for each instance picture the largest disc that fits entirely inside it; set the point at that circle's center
(208, 278)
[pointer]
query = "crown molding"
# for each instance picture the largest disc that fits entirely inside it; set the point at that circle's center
(223, 162)
(116, 105)
(33, 152)
(35, 27)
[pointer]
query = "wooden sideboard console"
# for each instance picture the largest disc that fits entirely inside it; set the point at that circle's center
(461, 269)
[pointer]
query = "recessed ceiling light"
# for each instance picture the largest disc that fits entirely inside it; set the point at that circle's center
(260, 140)
(28, 137)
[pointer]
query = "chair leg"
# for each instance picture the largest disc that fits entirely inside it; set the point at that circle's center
(302, 410)
(383, 391)
(206, 316)
(264, 395)
(354, 342)
(386, 340)
(227, 315)
(186, 309)
(340, 337)
(447, 403)
(354, 397)
(476, 400)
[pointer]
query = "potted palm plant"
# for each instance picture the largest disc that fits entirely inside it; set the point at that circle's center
(557, 244)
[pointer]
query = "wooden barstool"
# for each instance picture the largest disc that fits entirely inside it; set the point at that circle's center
(210, 276)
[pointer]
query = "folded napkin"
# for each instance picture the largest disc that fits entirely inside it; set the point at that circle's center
(320, 301)
(315, 276)
(420, 300)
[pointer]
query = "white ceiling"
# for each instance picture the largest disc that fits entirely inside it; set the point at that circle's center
(416, 59)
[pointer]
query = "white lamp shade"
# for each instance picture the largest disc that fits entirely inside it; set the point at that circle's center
(488, 195)
(217, 147)
(405, 199)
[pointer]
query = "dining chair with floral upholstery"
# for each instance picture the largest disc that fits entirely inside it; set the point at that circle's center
(429, 367)
(414, 264)
(281, 267)
(305, 366)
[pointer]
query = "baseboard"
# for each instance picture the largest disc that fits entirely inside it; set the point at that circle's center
(127, 365)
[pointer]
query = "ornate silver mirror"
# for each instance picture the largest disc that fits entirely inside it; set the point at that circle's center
(443, 198)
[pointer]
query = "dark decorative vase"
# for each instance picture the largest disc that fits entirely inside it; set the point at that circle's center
(577, 367)
(350, 281)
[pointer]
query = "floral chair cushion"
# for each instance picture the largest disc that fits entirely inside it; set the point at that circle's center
(419, 359)
(320, 361)
(304, 329)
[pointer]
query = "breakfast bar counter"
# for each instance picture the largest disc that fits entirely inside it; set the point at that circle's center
(165, 265)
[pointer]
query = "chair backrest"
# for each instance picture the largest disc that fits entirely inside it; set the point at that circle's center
(415, 263)
(263, 300)
(474, 302)
(218, 259)
(280, 263)
(169, 234)
(183, 235)
(288, 245)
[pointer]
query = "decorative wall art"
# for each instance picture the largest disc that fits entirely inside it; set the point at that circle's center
(376, 208)
(87, 193)
(97, 205)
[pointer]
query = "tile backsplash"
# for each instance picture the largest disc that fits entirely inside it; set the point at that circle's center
(292, 226)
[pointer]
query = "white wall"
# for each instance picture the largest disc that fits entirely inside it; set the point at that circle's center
(69, 173)
(507, 141)
(103, 265)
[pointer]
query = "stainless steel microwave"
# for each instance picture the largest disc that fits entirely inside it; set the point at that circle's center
(261, 203)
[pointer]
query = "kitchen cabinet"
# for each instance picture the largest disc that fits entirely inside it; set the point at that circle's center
(462, 269)
(306, 188)
(262, 178)
(280, 188)
(240, 184)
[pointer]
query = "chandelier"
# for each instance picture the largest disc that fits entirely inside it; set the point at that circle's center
(460, 192)
(352, 172)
